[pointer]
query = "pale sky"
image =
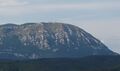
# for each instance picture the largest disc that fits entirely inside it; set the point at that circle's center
(101, 18)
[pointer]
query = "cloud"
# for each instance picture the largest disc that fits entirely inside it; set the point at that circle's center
(7, 3)
(15, 7)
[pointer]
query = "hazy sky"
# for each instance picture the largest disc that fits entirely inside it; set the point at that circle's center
(98, 17)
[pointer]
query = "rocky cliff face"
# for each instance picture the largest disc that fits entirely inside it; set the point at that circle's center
(48, 40)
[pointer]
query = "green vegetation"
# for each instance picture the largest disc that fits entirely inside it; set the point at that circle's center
(93, 63)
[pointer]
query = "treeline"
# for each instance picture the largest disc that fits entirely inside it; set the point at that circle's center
(91, 63)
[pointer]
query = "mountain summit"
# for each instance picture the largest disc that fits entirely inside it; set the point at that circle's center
(48, 40)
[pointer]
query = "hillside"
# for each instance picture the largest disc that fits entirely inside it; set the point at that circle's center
(48, 40)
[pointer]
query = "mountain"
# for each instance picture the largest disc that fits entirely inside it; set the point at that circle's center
(48, 40)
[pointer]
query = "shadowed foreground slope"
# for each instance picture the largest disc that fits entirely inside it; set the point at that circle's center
(91, 63)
